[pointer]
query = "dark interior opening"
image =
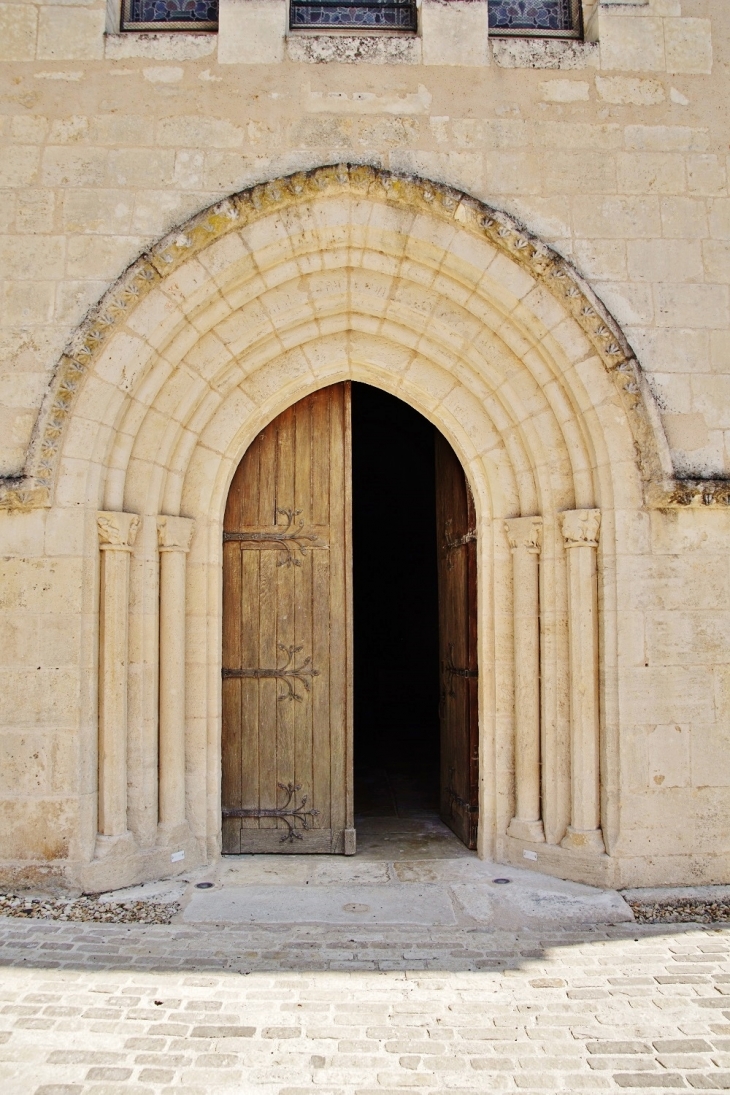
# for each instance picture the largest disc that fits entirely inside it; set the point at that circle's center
(395, 595)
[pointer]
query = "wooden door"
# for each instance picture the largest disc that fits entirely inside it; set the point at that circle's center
(457, 572)
(287, 646)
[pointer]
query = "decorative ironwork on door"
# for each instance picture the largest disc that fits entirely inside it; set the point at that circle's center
(288, 673)
(292, 541)
(288, 816)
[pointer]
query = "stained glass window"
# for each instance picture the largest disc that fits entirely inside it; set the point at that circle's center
(170, 15)
(547, 18)
(391, 15)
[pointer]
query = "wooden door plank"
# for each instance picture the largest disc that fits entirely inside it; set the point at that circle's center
(284, 600)
(231, 699)
(338, 623)
(268, 658)
(457, 645)
(303, 607)
(286, 640)
(250, 717)
(349, 620)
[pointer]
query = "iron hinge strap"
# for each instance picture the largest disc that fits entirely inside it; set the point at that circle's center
(284, 812)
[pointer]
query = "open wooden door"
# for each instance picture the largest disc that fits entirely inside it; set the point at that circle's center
(457, 572)
(287, 646)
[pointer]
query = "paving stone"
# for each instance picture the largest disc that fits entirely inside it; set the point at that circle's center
(254, 1021)
(644, 1080)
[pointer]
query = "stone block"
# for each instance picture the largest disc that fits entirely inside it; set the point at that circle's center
(720, 219)
(650, 260)
(651, 173)
(38, 828)
(686, 432)
(716, 254)
(631, 45)
(197, 131)
(350, 49)
(18, 28)
(692, 305)
(119, 129)
(668, 751)
(579, 173)
(616, 217)
(666, 138)
(544, 53)
(565, 91)
(159, 47)
(455, 33)
(684, 218)
(629, 89)
(251, 32)
(706, 175)
(102, 257)
(72, 165)
(23, 303)
(19, 166)
(71, 34)
(90, 211)
(32, 257)
(34, 211)
(141, 167)
(688, 45)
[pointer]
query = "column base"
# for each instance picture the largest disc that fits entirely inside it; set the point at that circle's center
(531, 831)
(583, 840)
(173, 832)
(118, 846)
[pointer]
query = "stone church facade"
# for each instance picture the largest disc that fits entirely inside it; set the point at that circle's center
(521, 230)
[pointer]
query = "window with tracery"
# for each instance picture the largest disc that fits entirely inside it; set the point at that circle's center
(170, 15)
(543, 18)
(393, 15)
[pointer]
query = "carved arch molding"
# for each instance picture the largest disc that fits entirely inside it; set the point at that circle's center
(442, 203)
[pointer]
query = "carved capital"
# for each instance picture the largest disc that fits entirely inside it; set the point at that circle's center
(174, 533)
(117, 531)
(580, 527)
(524, 533)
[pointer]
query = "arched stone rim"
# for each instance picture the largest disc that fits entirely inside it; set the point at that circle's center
(35, 488)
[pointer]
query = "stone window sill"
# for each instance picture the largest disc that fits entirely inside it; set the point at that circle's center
(555, 53)
(344, 47)
(175, 45)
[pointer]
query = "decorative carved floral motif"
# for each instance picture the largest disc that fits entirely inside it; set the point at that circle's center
(443, 202)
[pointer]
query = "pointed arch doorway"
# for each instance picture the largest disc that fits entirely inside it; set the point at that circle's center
(349, 661)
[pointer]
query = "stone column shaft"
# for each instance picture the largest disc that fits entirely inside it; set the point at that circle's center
(524, 535)
(117, 532)
(580, 532)
(174, 534)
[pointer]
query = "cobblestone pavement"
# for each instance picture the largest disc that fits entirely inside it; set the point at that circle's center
(122, 1009)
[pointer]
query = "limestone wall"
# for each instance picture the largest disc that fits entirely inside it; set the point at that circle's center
(613, 150)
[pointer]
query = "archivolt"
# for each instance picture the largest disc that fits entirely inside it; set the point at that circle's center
(348, 271)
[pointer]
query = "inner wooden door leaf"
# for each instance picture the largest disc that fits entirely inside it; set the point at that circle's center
(287, 642)
(457, 572)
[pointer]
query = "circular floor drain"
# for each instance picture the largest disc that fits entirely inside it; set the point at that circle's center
(354, 907)
(203, 885)
(501, 881)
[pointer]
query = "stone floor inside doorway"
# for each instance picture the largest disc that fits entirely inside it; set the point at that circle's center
(406, 968)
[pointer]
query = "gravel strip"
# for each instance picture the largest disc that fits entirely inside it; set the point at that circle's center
(87, 909)
(680, 911)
